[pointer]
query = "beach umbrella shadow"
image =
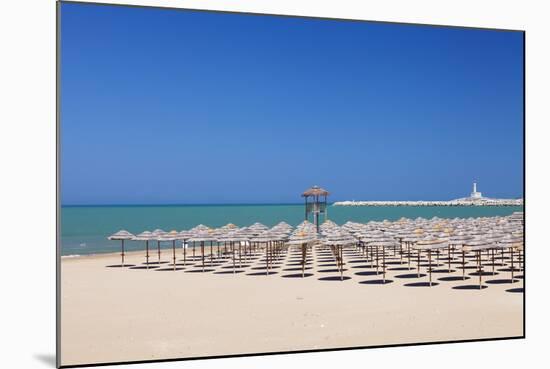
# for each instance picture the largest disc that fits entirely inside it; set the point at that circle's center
(515, 290)
(334, 278)
(421, 284)
(377, 281)
(297, 275)
(469, 287)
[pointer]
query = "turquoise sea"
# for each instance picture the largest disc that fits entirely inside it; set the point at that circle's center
(84, 229)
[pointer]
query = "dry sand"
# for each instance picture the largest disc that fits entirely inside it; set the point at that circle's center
(111, 314)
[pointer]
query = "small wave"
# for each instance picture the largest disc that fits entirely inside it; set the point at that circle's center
(70, 256)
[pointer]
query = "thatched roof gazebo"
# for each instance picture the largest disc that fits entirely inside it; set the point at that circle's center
(315, 203)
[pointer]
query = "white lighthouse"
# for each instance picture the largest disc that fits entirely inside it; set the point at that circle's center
(475, 194)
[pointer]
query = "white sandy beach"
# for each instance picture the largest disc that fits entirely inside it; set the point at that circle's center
(111, 314)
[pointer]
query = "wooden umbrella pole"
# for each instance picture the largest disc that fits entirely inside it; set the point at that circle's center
(303, 260)
(512, 264)
(430, 265)
(174, 252)
(266, 260)
(418, 265)
(449, 251)
(211, 254)
(479, 267)
(122, 254)
(493, 260)
(384, 264)
(240, 258)
(147, 254)
(341, 263)
(202, 254)
(409, 254)
(232, 245)
(158, 248)
(463, 265)
(377, 258)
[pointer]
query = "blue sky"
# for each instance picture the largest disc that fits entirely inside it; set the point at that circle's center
(166, 106)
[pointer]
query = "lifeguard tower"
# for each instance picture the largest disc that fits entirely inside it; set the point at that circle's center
(316, 204)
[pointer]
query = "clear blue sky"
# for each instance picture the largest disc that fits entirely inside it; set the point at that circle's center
(167, 106)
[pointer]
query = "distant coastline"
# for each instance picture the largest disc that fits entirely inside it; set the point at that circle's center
(488, 202)
(476, 198)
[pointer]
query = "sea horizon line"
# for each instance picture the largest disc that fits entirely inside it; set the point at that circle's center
(186, 204)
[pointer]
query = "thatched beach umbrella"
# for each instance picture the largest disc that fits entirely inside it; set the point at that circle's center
(366, 239)
(337, 241)
(429, 244)
(122, 236)
(477, 245)
(158, 233)
(302, 239)
(383, 243)
(201, 238)
(410, 240)
(511, 242)
(184, 236)
(458, 240)
(171, 236)
(145, 236)
(234, 238)
(266, 238)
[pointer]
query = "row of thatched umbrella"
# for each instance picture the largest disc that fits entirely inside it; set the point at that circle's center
(474, 235)
(405, 236)
(254, 235)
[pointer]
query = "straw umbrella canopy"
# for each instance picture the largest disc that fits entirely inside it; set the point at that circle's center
(410, 239)
(458, 240)
(477, 245)
(303, 239)
(267, 239)
(158, 233)
(337, 240)
(382, 242)
(234, 238)
(172, 236)
(429, 244)
(494, 236)
(201, 238)
(145, 236)
(199, 228)
(122, 236)
(512, 242)
(184, 236)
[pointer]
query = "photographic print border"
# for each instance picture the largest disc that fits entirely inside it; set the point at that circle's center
(58, 189)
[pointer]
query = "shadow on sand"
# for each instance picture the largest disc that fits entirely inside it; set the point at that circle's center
(501, 281)
(453, 278)
(515, 290)
(334, 278)
(421, 284)
(261, 273)
(410, 275)
(469, 287)
(297, 275)
(119, 266)
(377, 281)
